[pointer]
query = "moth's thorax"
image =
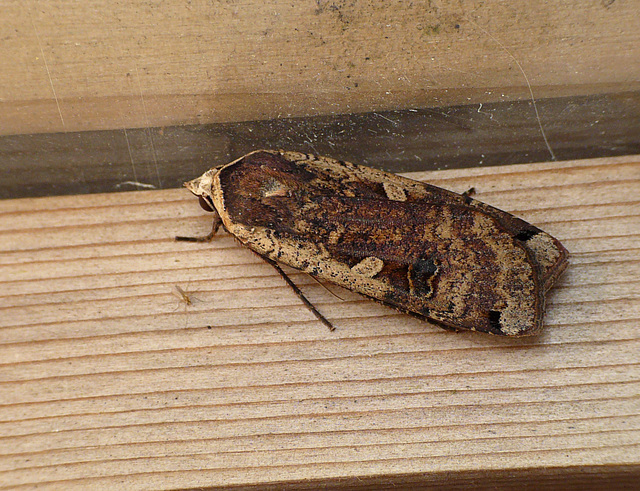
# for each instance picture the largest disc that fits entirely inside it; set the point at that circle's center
(256, 191)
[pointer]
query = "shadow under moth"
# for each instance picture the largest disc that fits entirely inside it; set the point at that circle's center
(426, 251)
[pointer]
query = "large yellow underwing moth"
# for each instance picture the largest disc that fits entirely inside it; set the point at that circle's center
(423, 250)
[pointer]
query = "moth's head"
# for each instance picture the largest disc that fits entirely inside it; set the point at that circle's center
(202, 188)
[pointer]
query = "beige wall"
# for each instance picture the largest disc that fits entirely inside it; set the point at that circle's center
(69, 66)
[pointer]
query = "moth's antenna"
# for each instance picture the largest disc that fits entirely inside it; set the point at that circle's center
(301, 296)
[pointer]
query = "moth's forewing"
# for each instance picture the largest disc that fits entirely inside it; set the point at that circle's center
(409, 245)
(547, 253)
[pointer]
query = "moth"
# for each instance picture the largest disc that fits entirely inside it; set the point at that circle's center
(431, 253)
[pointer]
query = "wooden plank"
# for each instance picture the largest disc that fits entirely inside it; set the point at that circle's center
(96, 65)
(108, 379)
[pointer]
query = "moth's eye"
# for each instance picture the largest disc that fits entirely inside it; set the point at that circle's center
(204, 204)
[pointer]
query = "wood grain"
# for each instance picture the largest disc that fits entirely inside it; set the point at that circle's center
(107, 379)
(99, 65)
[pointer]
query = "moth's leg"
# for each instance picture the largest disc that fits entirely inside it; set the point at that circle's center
(301, 296)
(426, 319)
(217, 221)
(469, 192)
(467, 195)
(325, 287)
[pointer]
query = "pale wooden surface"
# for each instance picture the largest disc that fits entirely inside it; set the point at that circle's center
(75, 66)
(108, 380)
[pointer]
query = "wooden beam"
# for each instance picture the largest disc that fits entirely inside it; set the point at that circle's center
(96, 66)
(109, 379)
